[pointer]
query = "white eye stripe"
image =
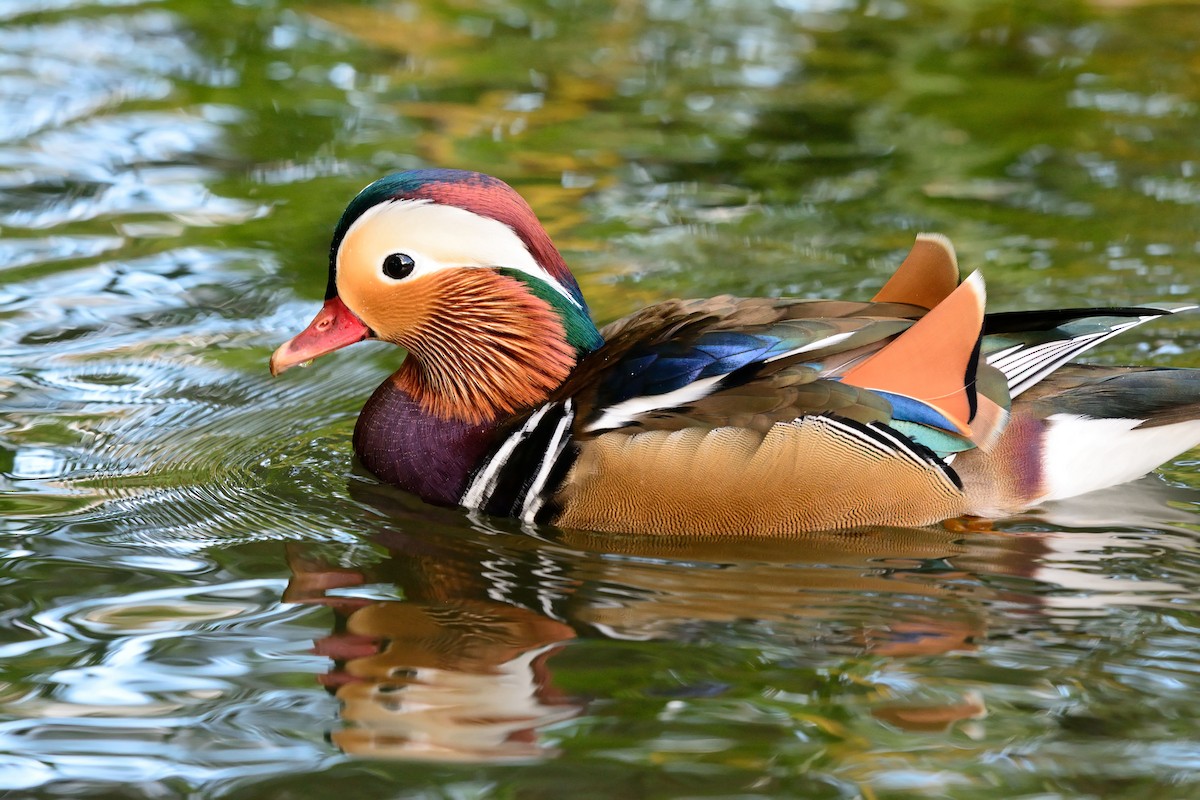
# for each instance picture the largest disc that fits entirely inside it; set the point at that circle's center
(436, 237)
(422, 265)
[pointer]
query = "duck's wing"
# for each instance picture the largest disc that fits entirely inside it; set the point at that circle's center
(704, 355)
(753, 363)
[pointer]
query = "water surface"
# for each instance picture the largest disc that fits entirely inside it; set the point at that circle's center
(204, 598)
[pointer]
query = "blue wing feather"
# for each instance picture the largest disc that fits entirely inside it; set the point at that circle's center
(667, 366)
(910, 410)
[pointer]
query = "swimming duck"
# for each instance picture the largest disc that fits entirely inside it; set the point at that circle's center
(718, 416)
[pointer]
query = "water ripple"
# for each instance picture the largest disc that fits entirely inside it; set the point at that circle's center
(99, 63)
(192, 569)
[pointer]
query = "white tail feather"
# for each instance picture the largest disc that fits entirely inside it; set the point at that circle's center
(1082, 454)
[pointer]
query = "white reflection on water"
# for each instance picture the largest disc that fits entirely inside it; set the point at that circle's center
(158, 687)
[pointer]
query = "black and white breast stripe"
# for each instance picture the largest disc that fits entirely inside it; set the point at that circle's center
(530, 461)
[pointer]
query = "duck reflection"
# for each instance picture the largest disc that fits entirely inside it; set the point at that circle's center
(446, 672)
(444, 638)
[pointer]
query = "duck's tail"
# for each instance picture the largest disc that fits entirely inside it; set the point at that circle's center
(1085, 428)
(1105, 425)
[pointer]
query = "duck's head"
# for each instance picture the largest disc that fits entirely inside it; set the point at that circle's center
(454, 267)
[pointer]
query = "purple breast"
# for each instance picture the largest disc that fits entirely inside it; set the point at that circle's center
(403, 445)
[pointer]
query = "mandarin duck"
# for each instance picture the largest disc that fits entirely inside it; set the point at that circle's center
(719, 416)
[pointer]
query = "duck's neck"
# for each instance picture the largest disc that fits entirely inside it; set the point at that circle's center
(402, 444)
(475, 364)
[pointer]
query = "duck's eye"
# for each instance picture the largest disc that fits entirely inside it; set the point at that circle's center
(398, 266)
